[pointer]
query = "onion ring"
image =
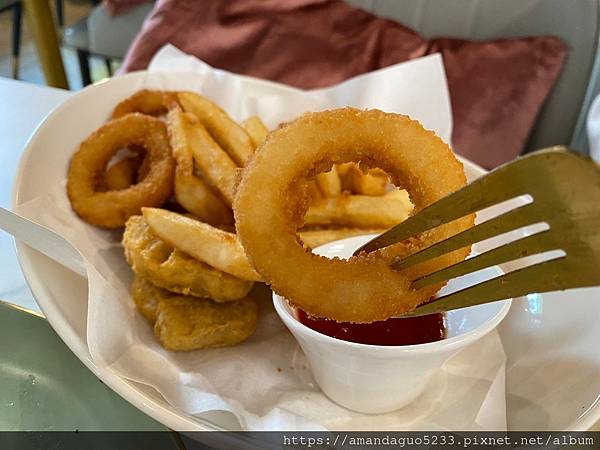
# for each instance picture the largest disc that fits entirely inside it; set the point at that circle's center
(145, 101)
(111, 209)
(363, 288)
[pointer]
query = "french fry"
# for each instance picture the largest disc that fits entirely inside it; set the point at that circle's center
(229, 135)
(374, 182)
(122, 174)
(204, 242)
(315, 237)
(342, 170)
(360, 211)
(214, 164)
(144, 169)
(192, 192)
(256, 129)
(196, 197)
(329, 183)
(169, 268)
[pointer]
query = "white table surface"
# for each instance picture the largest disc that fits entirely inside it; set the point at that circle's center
(22, 108)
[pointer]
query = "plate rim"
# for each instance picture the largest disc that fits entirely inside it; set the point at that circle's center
(158, 410)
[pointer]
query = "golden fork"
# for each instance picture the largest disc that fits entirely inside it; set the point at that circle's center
(565, 191)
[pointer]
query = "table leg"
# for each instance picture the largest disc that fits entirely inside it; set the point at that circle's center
(46, 42)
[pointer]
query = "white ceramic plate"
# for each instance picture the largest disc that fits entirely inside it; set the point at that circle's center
(551, 340)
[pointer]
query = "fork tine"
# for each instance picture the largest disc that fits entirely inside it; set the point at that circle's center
(528, 280)
(503, 183)
(513, 219)
(527, 246)
(480, 194)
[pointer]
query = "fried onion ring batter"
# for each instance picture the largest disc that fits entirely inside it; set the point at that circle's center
(268, 211)
(111, 209)
(146, 101)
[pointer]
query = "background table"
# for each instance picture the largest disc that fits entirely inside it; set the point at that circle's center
(23, 108)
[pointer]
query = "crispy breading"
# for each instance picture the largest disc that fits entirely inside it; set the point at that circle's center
(185, 323)
(174, 270)
(146, 296)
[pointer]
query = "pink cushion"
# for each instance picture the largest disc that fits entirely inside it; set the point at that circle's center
(497, 88)
(116, 7)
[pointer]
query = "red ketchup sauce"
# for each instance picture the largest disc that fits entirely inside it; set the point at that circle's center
(395, 331)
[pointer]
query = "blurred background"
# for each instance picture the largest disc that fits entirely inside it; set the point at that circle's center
(522, 74)
(18, 56)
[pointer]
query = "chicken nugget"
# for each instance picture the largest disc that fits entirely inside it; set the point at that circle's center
(184, 323)
(146, 296)
(171, 269)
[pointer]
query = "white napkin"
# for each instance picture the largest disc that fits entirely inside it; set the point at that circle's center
(266, 382)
